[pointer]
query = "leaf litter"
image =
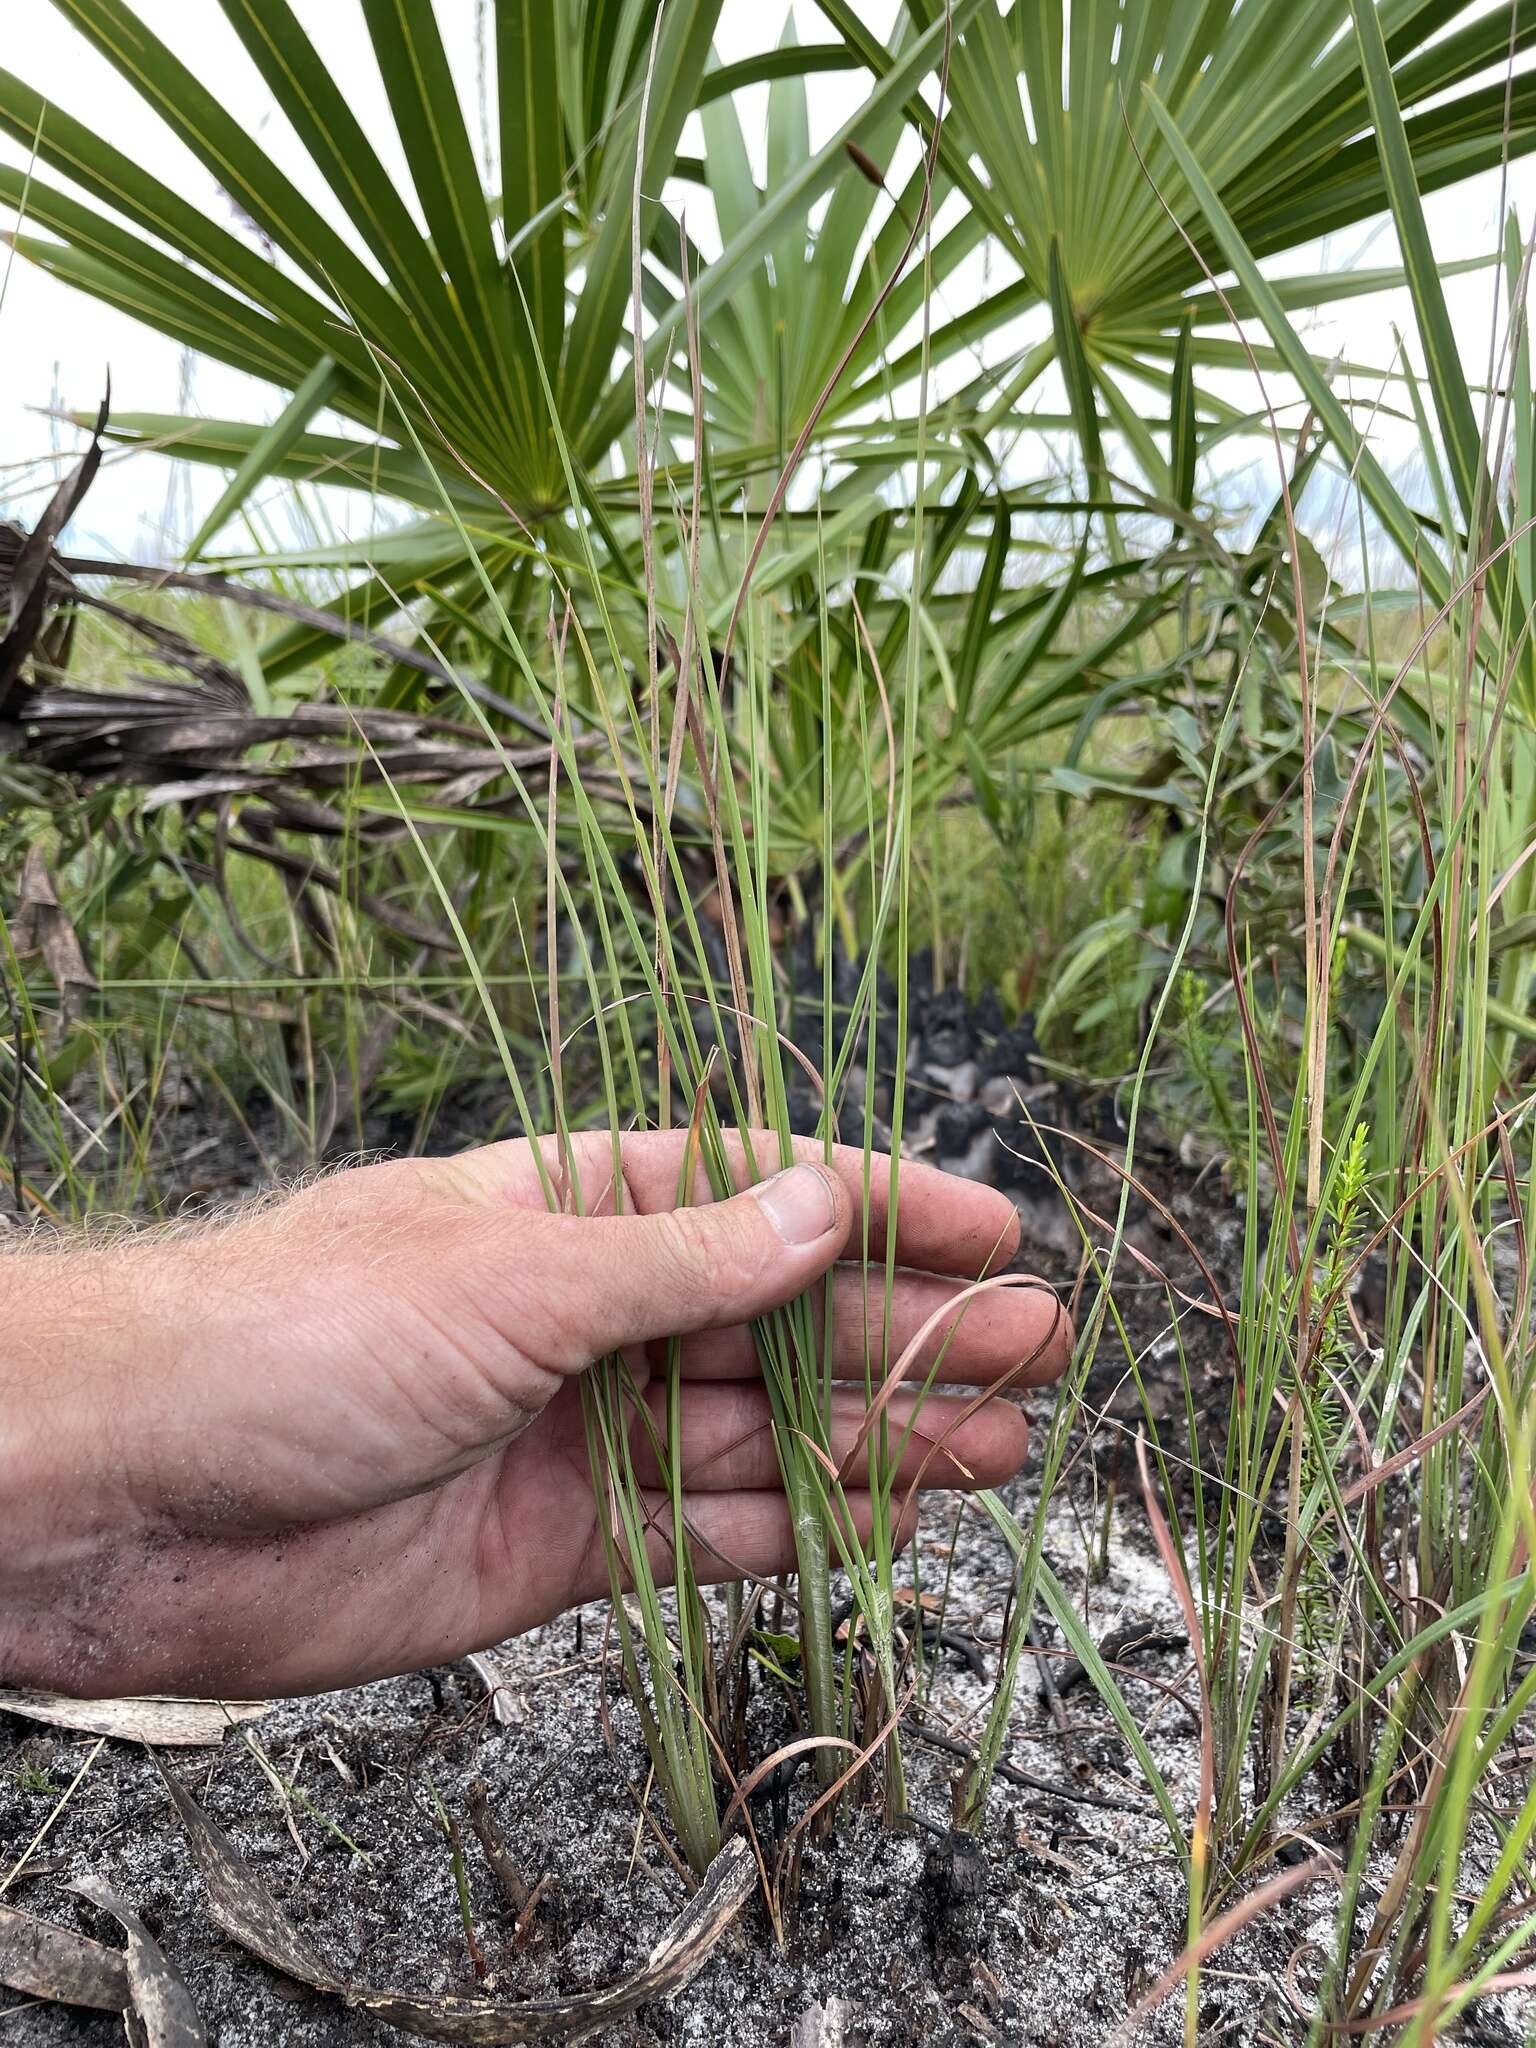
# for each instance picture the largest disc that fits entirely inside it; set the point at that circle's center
(44, 1960)
(161, 1722)
(163, 2015)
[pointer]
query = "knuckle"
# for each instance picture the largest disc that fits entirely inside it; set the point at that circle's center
(714, 1251)
(736, 1465)
(1052, 1350)
(528, 1294)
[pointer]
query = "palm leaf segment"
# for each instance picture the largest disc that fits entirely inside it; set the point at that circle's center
(425, 314)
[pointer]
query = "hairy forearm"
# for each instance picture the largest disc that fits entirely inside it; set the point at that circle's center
(181, 1414)
(121, 1362)
(76, 1335)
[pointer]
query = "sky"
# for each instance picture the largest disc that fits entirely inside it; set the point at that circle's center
(57, 347)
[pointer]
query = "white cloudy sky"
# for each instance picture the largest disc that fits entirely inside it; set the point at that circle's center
(56, 347)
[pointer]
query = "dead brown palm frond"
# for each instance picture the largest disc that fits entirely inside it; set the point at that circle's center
(183, 730)
(28, 577)
(179, 743)
(334, 625)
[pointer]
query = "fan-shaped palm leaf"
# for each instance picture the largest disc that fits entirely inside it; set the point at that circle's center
(1051, 136)
(421, 315)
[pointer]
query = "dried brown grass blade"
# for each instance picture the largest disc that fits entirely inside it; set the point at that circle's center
(1173, 1564)
(1221, 1931)
(801, 1746)
(948, 1311)
(1401, 2015)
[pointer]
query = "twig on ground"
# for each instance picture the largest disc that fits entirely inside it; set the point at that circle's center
(1079, 1795)
(494, 1843)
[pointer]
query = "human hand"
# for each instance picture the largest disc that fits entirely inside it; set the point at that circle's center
(341, 1435)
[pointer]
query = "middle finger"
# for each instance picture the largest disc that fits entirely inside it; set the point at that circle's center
(1021, 1333)
(727, 1439)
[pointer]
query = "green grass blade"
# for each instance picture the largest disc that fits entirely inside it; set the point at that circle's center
(1447, 379)
(269, 449)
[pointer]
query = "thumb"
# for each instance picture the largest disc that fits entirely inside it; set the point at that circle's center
(610, 1281)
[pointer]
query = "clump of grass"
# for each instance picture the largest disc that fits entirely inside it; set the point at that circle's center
(666, 912)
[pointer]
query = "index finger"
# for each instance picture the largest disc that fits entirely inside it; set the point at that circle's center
(943, 1224)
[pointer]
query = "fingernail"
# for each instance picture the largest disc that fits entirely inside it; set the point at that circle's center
(798, 1203)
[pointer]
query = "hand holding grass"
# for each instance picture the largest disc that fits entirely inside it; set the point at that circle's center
(342, 1436)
